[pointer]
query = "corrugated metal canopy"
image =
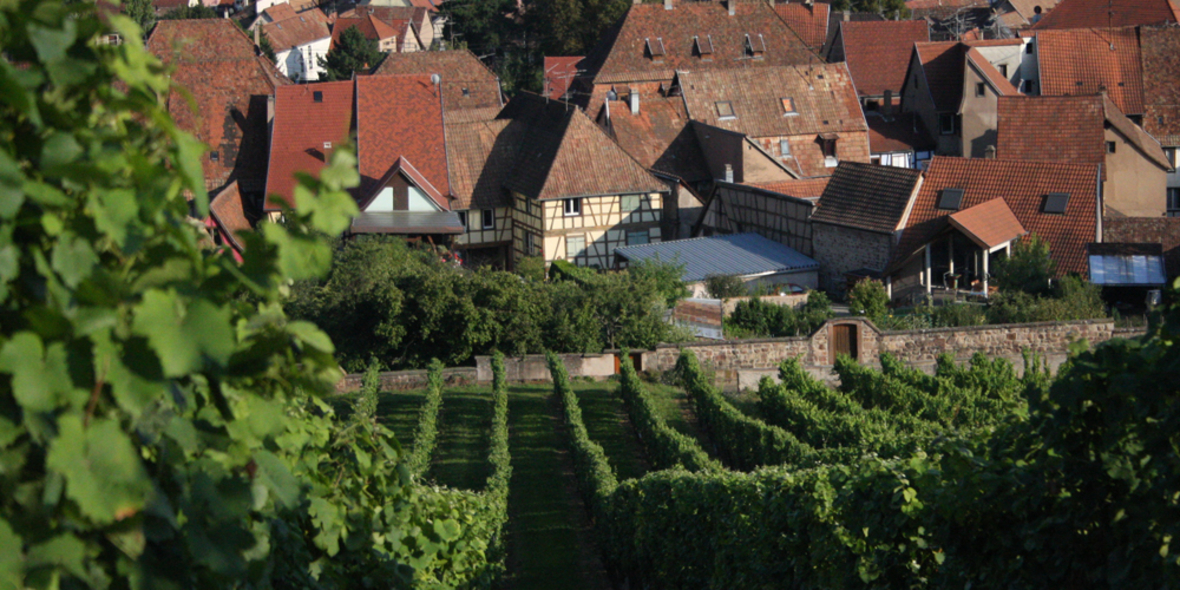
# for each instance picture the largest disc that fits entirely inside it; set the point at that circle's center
(408, 222)
(740, 255)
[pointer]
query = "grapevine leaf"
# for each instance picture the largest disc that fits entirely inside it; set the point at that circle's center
(103, 472)
(65, 551)
(10, 557)
(73, 259)
(184, 338)
(40, 380)
(275, 476)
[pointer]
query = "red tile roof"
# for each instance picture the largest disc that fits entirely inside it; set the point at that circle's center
(989, 73)
(229, 214)
(810, 22)
(467, 83)
(564, 154)
(559, 74)
(989, 225)
(218, 65)
(1088, 61)
(400, 118)
(1078, 14)
(803, 188)
(866, 196)
(1022, 186)
(1026, 9)
(301, 29)
(659, 137)
(878, 52)
(902, 132)
(480, 156)
(622, 55)
(370, 26)
(302, 129)
(1161, 83)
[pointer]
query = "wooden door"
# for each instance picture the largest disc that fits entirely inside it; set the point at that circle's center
(843, 340)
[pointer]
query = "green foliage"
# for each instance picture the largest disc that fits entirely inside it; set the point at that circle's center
(353, 52)
(190, 12)
(758, 318)
(496, 491)
(142, 12)
(665, 446)
(869, 299)
(532, 268)
(958, 315)
(426, 433)
(725, 286)
(1028, 269)
(596, 478)
(1072, 298)
(890, 9)
(664, 276)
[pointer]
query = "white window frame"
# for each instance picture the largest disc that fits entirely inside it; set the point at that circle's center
(626, 202)
(572, 253)
(784, 148)
(571, 207)
(484, 214)
(463, 220)
(635, 232)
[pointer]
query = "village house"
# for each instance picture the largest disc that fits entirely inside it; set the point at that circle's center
(1017, 15)
(898, 139)
(776, 211)
(1160, 47)
(261, 6)
(480, 156)
(467, 84)
(1080, 14)
(299, 40)
(1089, 61)
(412, 25)
(808, 19)
(559, 76)
(310, 121)
(395, 36)
(969, 211)
(1089, 130)
(877, 53)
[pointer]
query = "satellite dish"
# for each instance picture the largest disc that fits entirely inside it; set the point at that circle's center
(435, 79)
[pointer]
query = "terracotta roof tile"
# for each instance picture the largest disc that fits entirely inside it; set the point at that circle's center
(1023, 186)
(302, 128)
(942, 65)
(989, 72)
(564, 154)
(229, 213)
(217, 64)
(467, 82)
(622, 55)
(279, 12)
(559, 74)
(989, 224)
(400, 118)
(1026, 9)
(866, 196)
(480, 155)
(803, 188)
(877, 53)
(810, 22)
(369, 26)
(301, 29)
(1161, 83)
(902, 132)
(1088, 61)
(660, 138)
(1078, 14)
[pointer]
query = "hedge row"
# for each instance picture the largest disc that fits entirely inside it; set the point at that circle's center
(426, 434)
(496, 491)
(596, 478)
(665, 446)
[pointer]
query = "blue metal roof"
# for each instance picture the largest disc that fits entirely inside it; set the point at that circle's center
(739, 254)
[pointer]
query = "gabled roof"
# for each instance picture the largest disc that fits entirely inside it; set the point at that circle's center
(990, 74)
(1066, 129)
(660, 137)
(370, 26)
(305, 132)
(1088, 61)
(1023, 186)
(900, 132)
(809, 21)
(229, 214)
(801, 188)
(218, 65)
(942, 66)
(989, 224)
(867, 196)
(824, 99)
(399, 119)
(480, 156)
(1026, 9)
(559, 74)
(564, 154)
(301, 29)
(878, 52)
(732, 255)
(1161, 83)
(621, 55)
(467, 83)
(1077, 14)
(279, 12)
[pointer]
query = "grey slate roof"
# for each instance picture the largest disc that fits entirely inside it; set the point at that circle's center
(866, 196)
(739, 254)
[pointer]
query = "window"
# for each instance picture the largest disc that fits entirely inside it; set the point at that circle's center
(1174, 202)
(317, 96)
(725, 110)
(704, 47)
(1111, 147)
(530, 246)
(951, 199)
(789, 106)
(946, 123)
(1170, 153)
(631, 203)
(1055, 203)
(755, 46)
(980, 89)
(635, 238)
(827, 142)
(463, 219)
(784, 148)
(875, 160)
(488, 217)
(655, 49)
(214, 157)
(572, 207)
(1028, 86)
(575, 246)
(1028, 48)
(1004, 70)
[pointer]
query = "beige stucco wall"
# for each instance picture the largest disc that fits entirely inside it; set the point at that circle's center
(978, 115)
(1135, 186)
(602, 223)
(500, 233)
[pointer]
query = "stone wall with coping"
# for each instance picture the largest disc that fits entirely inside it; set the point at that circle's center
(412, 379)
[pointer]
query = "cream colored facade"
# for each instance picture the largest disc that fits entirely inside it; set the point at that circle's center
(499, 234)
(589, 236)
(1135, 186)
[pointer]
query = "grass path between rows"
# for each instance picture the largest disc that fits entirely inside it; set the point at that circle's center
(398, 411)
(674, 406)
(464, 440)
(608, 425)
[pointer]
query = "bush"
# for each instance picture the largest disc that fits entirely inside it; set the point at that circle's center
(869, 299)
(1028, 270)
(1073, 298)
(959, 315)
(757, 318)
(725, 286)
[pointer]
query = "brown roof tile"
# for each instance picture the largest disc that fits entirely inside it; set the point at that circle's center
(218, 65)
(900, 133)
(302, 129)
(229, 213)
(942, 66)
(301, 29)
(559, 74)
(480, 155)
(1026, 9)
(810, 22)
(660, 138)
(369, 26)
(1023, 186)
(467, 82)
(877, 53)
(802, 188)
(1078, 14)
(866, 196)
(989, 224)
(1088, 61)
(989, 72)
(564, 154)
(622, 55)
(400, 118)
(1161, 83)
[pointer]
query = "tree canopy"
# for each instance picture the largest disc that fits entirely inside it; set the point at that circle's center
(353, 52)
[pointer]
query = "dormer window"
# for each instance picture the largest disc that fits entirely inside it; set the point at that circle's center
(951, 199)
(725, 110)
(788, 106)
(655, 49)
(703, 47)
(827, 143)
(755, 46)
(1055, 203)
